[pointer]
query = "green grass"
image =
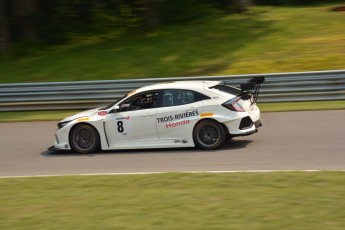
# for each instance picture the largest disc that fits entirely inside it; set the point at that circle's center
(264, 107)
(269, 39)
(35, 115)
(301, 106)
(285, 200)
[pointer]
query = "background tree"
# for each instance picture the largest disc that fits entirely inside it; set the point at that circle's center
(243, 5)
(151, 14)
(4, 30)
(23, 18)
(59, 21)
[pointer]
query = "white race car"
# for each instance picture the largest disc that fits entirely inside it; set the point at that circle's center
(167, 115)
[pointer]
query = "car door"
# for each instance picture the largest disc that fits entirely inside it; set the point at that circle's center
(180, 110)
(134, 122)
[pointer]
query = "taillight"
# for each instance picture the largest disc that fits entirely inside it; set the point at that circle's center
(234, 105)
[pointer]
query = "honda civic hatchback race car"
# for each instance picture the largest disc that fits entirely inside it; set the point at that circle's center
(201, 114)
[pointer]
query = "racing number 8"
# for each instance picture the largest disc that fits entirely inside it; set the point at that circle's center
(120, 128)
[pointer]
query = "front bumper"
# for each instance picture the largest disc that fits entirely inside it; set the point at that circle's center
(52, 148)
(61, 138)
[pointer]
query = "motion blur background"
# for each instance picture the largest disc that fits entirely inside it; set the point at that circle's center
(78, 40)
(64, 40)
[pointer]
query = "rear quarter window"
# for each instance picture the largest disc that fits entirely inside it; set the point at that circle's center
(176, 97)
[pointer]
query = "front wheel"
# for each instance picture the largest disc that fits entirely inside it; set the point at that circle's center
(209, 134)
(84, 139)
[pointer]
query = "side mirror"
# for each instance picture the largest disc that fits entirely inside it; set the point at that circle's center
(116, 109)
(123, 107)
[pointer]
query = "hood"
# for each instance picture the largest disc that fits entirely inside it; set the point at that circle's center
(87, 113)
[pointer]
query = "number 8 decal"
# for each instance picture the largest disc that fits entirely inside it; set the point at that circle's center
(120, 128)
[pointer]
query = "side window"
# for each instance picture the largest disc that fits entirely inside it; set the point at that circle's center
(174, 97)
(142, 101)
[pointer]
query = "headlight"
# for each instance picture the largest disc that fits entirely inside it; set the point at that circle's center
(62, 124)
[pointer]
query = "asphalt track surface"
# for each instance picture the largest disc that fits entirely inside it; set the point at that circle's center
(313, 140)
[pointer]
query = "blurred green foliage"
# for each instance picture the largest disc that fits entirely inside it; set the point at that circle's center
(265, 40)
(66, 40)
(294, 2)
(58, 21)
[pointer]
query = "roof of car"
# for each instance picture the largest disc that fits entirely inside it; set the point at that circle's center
(179, 85)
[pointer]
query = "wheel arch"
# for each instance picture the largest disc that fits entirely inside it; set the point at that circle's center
(222, 138)
(83, 123)
(212, 119)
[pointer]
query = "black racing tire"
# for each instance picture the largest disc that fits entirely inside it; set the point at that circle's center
(84, 139)
(209, 134)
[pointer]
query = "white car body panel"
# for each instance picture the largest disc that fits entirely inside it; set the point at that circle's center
(132, 129)
(173, 121)
(87, 113)
(162, 127)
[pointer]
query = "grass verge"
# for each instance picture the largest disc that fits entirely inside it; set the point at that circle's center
(264, 107)
(35, 115)
(283, 200)
(301, 106)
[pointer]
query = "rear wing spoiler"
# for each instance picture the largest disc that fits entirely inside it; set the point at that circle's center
(250, 90)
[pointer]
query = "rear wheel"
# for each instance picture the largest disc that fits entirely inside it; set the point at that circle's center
(84, 139)
(209, 134)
